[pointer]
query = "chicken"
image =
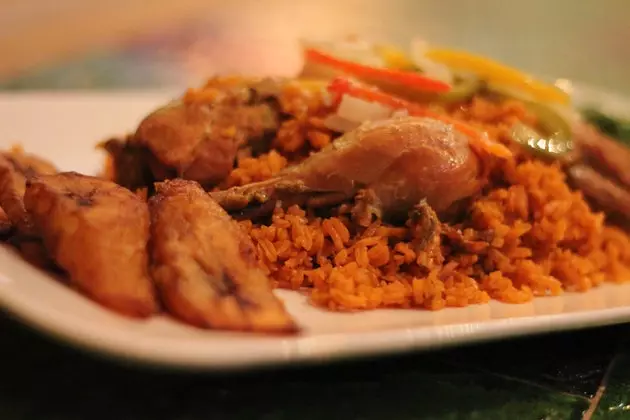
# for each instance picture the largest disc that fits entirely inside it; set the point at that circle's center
(97, 232)
(606, 154)
(5, 225)
(601, 171)
(604, 192)
(205, 266)
(394, 164)
(131, 164)
(196, 137)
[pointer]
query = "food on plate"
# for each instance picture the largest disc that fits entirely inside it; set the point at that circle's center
(5, 225)
(16, 167)
(127, 163)
(205, 265)
(97, 232)
(602, 170)
(198, 136)
(375, 178)
(395, 163)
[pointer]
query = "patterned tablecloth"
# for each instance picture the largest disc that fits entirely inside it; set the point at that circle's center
(563, 376)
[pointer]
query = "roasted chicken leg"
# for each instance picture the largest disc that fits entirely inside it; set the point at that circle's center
(394, 163)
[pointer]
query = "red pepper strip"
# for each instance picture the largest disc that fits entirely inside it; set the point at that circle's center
(376, 74)
(478, 141)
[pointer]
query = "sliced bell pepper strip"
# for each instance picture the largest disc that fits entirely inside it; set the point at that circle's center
(395, 58)
(463, 89)
(479, 142)
(498, 72)
(375, 74)
(555, 137)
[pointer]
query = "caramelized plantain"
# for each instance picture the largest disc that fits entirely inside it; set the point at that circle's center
(15, 168)
(97, 232)
(205, 265)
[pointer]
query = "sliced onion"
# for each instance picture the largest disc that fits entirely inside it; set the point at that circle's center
(429, 67)
(351, 49)
(359, 110)
(353, 111)
(341, 125)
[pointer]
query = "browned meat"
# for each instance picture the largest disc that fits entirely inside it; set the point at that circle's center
(5, 225)
(607, 194)
(607, 155)
(97, 232)
(198, 137)
(130, 164)
(205, 266)
(425, 226)
(397, 162)
(16, 167)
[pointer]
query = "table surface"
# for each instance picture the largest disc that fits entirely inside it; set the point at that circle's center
(561, 376)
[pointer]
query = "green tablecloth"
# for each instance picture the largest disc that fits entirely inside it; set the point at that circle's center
(548, 377)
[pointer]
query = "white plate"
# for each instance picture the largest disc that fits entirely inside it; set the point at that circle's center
(65, 126)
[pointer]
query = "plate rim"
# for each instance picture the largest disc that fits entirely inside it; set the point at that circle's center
(292, 350)
(298, 350)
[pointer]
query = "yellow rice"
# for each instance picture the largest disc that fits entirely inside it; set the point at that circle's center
(528, 234)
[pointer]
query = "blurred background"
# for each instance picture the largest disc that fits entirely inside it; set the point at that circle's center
(89, 44)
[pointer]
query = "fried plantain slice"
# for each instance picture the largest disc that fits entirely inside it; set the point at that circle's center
(16, 167)
(204, 264)
(97, 232)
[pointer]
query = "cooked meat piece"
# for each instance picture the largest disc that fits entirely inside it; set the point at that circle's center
(424, 225)
(367, 207)
(205, 265)
(401, 161)
(425, 229)
(477, 243)
(97, 232)
(5, 225)
(16, 167)
(199, 139)
(607, 194)
(131, 163)
(607, 155)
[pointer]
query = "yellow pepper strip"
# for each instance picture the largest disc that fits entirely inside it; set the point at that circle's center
(394, 58)
(494, 71)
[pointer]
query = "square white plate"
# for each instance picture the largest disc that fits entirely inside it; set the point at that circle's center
(64, 127)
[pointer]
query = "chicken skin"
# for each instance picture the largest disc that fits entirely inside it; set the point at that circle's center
(390, 165)
(197, 136)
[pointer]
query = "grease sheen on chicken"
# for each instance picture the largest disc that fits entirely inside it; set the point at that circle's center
(393, 164)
